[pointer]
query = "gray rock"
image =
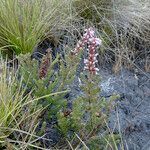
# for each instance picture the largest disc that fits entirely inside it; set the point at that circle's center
(133, 108)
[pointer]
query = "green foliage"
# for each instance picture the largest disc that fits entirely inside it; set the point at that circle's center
(106, 142)
(18, 110)
(92, 10)
(54, 81)
(23, 23)
(90, 113)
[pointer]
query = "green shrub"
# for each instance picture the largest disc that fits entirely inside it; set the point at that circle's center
(89, 117)
(43, 79)
(90, 111)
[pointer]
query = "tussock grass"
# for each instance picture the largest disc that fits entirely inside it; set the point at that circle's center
(18, 111)
(24, 23)
(132, 17)
(123, 27)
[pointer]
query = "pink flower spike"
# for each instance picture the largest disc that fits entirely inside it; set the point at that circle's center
(96, 69)
(92, 42)
(92, 33)
(98, 41)
(85, 61)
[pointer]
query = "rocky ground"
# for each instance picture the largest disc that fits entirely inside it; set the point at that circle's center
(131, 117)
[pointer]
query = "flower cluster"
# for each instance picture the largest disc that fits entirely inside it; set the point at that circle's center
(92, 42)
(44, 66)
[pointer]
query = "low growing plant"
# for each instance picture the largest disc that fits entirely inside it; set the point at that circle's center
(47, 77)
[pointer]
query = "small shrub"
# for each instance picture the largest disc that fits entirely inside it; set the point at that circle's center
(90, 111)
(46, 78)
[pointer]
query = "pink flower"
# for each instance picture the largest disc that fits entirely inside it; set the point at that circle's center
(93, 42)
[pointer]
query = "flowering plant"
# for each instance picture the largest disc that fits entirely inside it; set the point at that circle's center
(45, 64)
(92, 43)
(90, 111)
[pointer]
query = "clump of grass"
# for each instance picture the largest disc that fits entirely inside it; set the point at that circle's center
(18, 110)
(23, 24)
(124, 29)
(130, 34)
(133, 19)
(88, 9)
